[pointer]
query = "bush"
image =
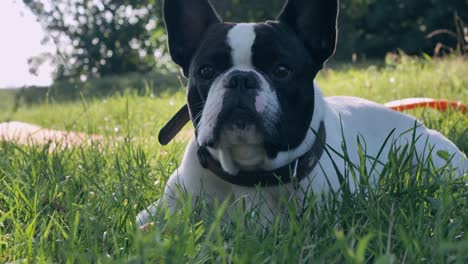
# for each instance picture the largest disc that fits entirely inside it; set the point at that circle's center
(62, 91)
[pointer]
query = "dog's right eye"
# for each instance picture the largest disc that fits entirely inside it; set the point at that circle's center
(206, 72)
(281, 71)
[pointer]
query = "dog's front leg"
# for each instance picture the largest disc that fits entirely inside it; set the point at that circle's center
(168, 200)
(190, 180)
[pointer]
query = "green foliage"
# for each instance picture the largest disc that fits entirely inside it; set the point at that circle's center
(112, 37)
(79, 206)
(248, 10)
(373, 28)
(99, 38)
(8, 99)
(154, 83)
(370, 28)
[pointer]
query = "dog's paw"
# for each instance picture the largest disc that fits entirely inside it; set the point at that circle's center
(144, 218)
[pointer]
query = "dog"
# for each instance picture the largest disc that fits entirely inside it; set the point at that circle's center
(261, 121)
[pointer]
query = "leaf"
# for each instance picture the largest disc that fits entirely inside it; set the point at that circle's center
(444, 155)
(361, 248)
(386, 259)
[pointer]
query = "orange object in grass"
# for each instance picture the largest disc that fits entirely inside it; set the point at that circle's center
(439, 104)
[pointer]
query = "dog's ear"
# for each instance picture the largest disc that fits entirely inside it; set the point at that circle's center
(186, 22)
(315, 22)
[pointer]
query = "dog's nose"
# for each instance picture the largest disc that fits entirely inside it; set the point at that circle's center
(241, 80)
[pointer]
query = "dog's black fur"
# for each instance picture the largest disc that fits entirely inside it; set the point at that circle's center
(197, 39)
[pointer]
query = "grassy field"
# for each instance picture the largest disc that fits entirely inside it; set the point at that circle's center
(8, 100)
(79, 205)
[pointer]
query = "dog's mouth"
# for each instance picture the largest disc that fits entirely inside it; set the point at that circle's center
(238, 141)
(239, 133)
(237, 123)
(239, 147)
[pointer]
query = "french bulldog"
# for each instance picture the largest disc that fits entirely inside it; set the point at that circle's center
(261, 121)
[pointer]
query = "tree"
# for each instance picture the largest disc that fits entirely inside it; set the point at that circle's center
(370, 27)
(99, 38)
(248, 10)
(109, 37)
(373, 28)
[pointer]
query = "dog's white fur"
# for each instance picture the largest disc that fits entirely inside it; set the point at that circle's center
(345, 118)
(241, 38)
(240, 149)
(355, 117)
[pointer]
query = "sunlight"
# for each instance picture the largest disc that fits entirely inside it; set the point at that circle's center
(21, 40)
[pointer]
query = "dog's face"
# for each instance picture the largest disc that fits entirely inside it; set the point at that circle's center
(251, 91)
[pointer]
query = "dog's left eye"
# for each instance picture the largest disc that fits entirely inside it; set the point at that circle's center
(206, 72)
(281, 71)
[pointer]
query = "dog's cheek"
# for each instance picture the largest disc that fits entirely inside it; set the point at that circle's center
(209, 113)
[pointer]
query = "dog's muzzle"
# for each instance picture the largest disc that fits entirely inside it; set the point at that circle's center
(293, 172)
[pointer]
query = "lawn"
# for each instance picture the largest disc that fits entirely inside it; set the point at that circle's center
(7, 101)
(79, 205)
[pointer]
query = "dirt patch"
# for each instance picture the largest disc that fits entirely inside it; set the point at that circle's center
(29, 134)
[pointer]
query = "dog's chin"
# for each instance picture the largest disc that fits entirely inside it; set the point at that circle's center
(240, 148)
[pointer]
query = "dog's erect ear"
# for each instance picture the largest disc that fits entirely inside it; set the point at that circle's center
(186, 23)
(315, 21)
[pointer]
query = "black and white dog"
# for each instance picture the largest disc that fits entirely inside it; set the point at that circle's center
(260, 119)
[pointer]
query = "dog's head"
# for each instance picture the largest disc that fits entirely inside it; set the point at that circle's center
(251, 85)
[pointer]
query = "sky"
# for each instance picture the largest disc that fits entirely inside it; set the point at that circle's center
(20, 39)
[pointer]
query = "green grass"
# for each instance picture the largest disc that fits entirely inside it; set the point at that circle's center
(7, 101)
(68, 91)
(79, 205)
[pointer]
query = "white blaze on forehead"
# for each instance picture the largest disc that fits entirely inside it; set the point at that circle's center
(241, 39)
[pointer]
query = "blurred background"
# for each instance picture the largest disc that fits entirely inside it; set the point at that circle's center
(103, 46)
